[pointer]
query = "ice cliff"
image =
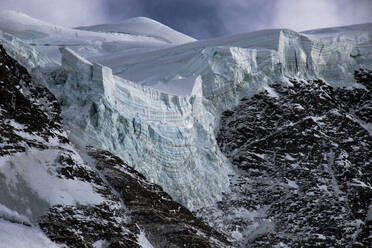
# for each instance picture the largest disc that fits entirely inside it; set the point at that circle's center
(267, 135)
(170, 137)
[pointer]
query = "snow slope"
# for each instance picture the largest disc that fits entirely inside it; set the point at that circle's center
(36, 159)
(19, 236)
(48, 38)
(142, 26)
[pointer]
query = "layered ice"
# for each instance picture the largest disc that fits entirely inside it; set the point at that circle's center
(167, 131)
(166, 137)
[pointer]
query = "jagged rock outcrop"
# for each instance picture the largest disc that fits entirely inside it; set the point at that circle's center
(303, 153)
(165, 222)
(30, 105)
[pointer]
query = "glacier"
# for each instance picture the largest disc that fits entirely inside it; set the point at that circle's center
(158, 106)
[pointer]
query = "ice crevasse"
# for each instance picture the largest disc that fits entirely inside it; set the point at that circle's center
(171, 138)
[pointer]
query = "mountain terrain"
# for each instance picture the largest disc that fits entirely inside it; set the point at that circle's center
(135, 135)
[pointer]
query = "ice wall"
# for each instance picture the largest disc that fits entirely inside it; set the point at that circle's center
(171, 138)
(157, 133)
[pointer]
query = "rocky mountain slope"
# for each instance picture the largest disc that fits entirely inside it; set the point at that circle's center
(303, 154)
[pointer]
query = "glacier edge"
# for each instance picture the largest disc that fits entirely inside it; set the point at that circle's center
(170, 138)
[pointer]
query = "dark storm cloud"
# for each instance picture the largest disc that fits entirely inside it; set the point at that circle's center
(212, 18)
(197, 18)
(202, 18)
(61, 12)
(303, 15)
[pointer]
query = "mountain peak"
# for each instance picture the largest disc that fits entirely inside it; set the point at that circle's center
(140, 19)
(142, 26)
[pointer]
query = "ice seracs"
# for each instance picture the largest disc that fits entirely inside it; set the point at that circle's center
(172, 137)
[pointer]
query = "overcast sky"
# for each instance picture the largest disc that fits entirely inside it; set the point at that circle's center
(202, 18)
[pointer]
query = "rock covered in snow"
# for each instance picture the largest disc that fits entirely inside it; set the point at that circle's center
(165, 222)
(303, 156)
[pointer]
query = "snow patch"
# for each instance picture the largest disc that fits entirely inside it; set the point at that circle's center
(12, 215)
(101, 244)
(289, 157)
(369, 215)
(292, 184)
(143, 241)
(20, 236)
(32, 177)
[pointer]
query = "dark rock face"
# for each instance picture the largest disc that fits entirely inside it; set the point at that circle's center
(305, 164)
(27, 103)
(82, 226)
(165, 222)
